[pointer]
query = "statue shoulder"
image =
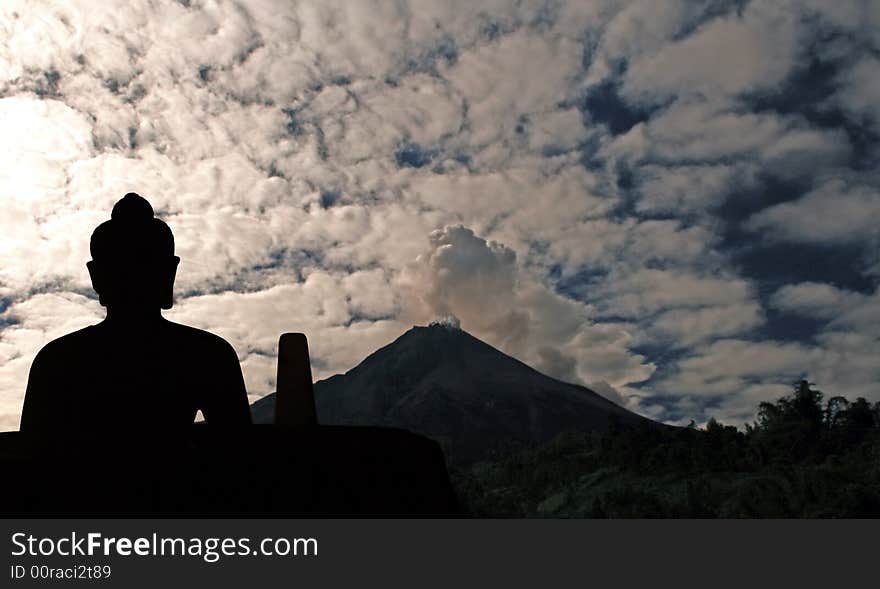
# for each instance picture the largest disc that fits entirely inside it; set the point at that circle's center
(64, 346)
(201, 340)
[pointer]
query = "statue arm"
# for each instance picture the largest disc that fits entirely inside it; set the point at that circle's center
(226, 402)
(37, 412)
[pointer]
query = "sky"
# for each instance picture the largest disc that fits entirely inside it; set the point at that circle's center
(675, 203)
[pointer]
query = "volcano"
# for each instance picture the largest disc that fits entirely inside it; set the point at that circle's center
(442, 382)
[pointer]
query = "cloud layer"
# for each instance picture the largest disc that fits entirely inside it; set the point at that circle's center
(675, 201)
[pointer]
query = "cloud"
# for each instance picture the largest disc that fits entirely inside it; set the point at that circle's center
(691, 188)
(730, 55)
(520, 74)
(727, 366)
(835, 212)
(815, 299)
(648, 291)
(860, 91)
(687, 327)
(698, 130)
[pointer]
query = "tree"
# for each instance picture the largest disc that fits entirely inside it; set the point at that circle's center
(790, 428)
(835, 411)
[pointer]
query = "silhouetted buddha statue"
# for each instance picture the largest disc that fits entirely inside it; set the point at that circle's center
(134, 369)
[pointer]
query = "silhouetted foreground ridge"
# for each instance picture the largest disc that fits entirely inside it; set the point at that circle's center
(258, 471)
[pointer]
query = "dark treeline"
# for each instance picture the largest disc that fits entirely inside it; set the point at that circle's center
(805, 456)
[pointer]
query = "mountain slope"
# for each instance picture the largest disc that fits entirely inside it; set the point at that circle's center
(445, 383)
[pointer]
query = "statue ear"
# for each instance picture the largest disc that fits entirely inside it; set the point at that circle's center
(168, 295)
(97, 280)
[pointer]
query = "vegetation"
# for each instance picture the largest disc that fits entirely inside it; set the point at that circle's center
(802, 458)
